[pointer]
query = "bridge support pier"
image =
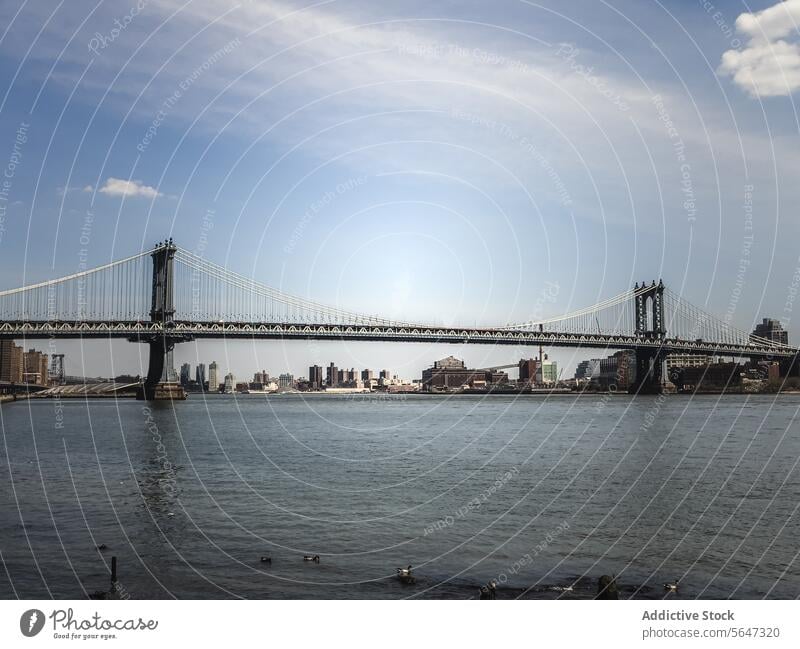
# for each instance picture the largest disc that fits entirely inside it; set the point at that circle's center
(162, 380)
(649, 364)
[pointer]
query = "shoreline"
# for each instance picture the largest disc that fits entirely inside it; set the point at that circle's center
(377, 396)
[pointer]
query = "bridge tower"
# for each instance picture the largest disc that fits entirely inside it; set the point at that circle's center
(650, 326)
(162, 380)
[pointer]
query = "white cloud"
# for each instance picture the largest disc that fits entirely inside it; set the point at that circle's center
(769, 64)
(127, 188)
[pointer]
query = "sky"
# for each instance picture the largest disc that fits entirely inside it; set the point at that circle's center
(434, 161)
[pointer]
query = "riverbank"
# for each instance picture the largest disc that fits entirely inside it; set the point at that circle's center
(9, 398)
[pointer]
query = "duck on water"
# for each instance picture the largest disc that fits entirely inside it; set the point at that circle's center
(406, 576)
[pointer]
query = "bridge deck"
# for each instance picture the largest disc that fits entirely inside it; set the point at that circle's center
(189, 330)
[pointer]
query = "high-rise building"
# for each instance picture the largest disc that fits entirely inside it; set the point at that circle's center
(772, 330)
(12, 366)
(286, 381)
(315, 377)
(384, 374)
(213, 379)
(56, 370)
(366, 375)
(18, 364)
(230, 383)
(35, 367)
(186, 373)
(332, 376)
(200, 375)
(6, 351)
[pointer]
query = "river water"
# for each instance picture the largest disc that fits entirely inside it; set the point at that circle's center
(540, 494)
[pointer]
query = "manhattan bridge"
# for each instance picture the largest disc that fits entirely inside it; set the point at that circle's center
(167, 296)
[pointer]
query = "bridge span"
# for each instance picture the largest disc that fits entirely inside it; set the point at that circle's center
(166, 296)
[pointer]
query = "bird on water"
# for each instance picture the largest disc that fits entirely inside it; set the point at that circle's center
(405, 575)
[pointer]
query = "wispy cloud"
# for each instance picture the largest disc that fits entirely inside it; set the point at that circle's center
(475, 99)
(128, 188)
(63, 191)
(769, 65)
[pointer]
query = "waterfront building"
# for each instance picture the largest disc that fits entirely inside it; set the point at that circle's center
(6, 353)
(346, 378)
(618, 370)
(213, 377)
(400, 385)
(449, 373)
(315, 377)
(332, 376)
(11, 362)
(56, 372)
(547, 372)
(527, 370)
(714, 376)
(286, 380)
(18, 364)
(688, 360)
(496, 377)
(230, 383)
(385, 374)
(186, 372)
(588, 370)
(200, 375)
(366, 375)
(35, 367)
(772, 330)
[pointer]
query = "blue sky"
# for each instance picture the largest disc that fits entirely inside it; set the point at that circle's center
(469, 154)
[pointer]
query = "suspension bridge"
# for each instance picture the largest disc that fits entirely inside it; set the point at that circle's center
(167, 295)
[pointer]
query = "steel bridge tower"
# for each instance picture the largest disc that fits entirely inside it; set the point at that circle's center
(650, 325)
(162, 380)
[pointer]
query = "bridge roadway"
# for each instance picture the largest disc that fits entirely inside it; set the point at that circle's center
(180, 330)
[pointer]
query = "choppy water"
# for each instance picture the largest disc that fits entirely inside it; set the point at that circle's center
(537, 493)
